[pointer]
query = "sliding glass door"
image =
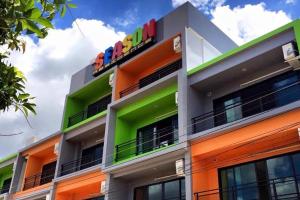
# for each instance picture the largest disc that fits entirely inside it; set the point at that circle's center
(274, 178)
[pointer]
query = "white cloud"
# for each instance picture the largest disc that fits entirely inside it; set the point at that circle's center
(130, 17)
(245, 23)
(204, 5)
(292, 2)
(48, 66)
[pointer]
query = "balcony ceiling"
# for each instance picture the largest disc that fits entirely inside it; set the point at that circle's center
(149, 57)
(246, 71)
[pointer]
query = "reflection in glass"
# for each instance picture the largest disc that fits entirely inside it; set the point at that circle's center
(154, 192)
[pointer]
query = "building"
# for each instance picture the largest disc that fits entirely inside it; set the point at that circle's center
(6, 173)
(35, 169)
(244, 107)
(176, 110)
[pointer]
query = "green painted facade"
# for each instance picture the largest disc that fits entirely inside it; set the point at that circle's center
(151, 109)
(79, 101)
(7, 171)
(295, 25)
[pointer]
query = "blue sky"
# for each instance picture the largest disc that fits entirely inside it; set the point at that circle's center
(139, 11)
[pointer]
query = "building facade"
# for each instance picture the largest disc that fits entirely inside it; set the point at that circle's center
(176, 110)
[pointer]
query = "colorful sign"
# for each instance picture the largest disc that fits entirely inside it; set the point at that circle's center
(123, 50)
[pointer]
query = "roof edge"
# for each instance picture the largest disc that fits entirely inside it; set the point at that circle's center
(294, 24)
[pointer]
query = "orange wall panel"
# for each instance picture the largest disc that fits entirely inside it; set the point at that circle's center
(271, 137)
(81, 187)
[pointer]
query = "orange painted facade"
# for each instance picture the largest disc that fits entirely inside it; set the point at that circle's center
(270, 137)
(145, 64)
(83, 187)
(37, 157)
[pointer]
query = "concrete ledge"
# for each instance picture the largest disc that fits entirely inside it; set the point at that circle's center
(146, 161)
(219, 130)
(78, 173)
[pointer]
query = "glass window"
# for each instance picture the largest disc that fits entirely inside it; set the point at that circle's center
(233, 112)
(182, 186)
(172, 190)
(155, 192)
(246, 175)
(273, 178)
(280, 171)
(296, 161)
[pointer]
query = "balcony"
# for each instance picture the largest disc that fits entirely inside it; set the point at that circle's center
(93, 109)
(279, 188)
(5, 188)
(267, 95)
(42, 178)
(147, 141)
(89, 157)
(147, 80)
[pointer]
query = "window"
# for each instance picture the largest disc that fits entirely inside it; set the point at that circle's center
(97, 198)
(273, 178)
(91, 156)
(169, 190)
(274, 92)
(48, 171)
(5, 186)
(156, 135)
(98, 106)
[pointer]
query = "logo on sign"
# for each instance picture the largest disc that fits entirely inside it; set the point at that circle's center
(122, 50)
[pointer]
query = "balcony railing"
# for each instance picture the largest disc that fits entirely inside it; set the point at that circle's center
(39, 179)
(80, 164)
(4, 189)
(271, 100)
(160, 73)
(94, 109)
(277, 189)
(161, 138)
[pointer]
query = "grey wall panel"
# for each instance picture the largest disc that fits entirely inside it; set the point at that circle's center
(243, 56)
(210, 32)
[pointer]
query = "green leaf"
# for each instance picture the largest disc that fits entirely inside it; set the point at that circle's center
(33, 13)
(24, 96)
(44, 22)
(34, 28)
(63, 11)
(59, 1)
(29, 5)
(72, 5)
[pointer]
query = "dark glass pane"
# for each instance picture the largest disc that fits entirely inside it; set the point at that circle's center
(296, 160)
(155, 192)
(172, 190)
(182, 182)
(91, 156)
(48, 171)
(5, 186)
(245, 180)
(98, 106)
(156, 135)
(280, 172)
(141, 193)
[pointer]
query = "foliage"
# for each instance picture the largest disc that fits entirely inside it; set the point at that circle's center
(18, 17)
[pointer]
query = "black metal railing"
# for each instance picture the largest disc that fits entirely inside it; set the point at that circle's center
(39, 179)
(265, 102)
(4, 189)
(160, 73)
(92, 110)
(272, 189)
(161, 138)
(80, 164)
